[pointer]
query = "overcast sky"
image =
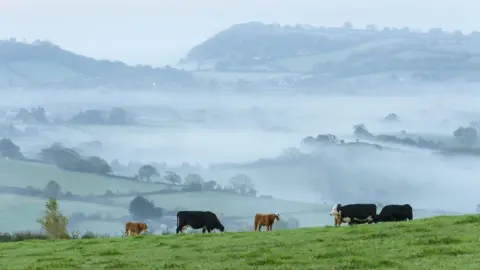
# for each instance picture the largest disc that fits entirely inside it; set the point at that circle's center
(158, 32)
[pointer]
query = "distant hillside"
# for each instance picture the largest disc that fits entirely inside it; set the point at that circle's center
(333, 53)
(42, 64)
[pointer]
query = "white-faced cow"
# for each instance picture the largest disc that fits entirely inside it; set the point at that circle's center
(354, 213)
(395, 212)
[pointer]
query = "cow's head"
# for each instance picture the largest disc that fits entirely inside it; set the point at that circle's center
(335, 210)
(143, 227)
(276, 216)
(221, 228)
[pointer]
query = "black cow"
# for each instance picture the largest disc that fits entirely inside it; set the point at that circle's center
(395, 212)
(354, 213)
(206, 220)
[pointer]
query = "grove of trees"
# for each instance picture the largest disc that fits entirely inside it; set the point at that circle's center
(68, 159)
(146, 172)
(142, 209)
(466, 136)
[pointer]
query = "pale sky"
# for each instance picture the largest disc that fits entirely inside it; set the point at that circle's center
(159, 32)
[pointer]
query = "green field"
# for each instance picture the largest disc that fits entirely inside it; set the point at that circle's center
(305, 64)
(37, 175)
(228, 204)
(436, 243)
(19, 213)
(44, 71)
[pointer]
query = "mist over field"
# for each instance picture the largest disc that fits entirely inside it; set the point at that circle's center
(231, 128)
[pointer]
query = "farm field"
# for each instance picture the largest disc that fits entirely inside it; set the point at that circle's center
(19, 213)
(229, 205)
(234, 76)
(434, 243)
(37, 175)
(305, 64)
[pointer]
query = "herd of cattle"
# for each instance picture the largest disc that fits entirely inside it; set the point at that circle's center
(350, 214)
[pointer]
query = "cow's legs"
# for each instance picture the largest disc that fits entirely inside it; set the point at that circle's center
(259, 228)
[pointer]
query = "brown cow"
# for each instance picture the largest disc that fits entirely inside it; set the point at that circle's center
(135, 228)
(265, 220)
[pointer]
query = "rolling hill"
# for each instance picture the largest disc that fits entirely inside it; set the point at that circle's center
(298, 52)
(37, 175)
(434, 243)
(45, 65)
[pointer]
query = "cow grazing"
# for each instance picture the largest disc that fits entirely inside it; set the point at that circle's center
(266, 220)
(206, 220)
(395, 212)
(353, 213)
(134, 228)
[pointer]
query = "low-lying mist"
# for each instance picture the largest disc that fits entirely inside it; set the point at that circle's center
(225, 128)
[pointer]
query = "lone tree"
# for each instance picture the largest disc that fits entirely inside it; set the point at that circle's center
(99, 165)
(52, 190)
(466, 136)
(146, 172)
(172, 177)
(54, 224)
(194, 181)
(141, 209)
(118, 116)
(10, 150)
(241, 183)
(210, 185)
(361, 131)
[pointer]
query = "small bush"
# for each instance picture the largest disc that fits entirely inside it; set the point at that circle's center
(21, 236)
(54, 224)
(75, 235)
(89, 235)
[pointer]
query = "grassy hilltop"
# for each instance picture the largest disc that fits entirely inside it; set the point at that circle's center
(310, 55)
(434, 243)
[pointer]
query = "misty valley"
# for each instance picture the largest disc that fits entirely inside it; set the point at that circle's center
(110, 156)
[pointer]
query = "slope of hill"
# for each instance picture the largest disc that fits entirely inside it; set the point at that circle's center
(42, 64)
(335, 53)
(434, 243)
(37, 175)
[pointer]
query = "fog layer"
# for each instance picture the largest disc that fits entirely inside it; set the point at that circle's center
(224, 128)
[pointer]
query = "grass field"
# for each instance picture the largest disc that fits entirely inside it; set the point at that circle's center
(306, 63)
(436, 243)
(231, 205)
(37, 175)
(19, 213)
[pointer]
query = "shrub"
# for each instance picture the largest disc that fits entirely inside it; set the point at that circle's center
(54, 224)
(21, 236)
(89, 235)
